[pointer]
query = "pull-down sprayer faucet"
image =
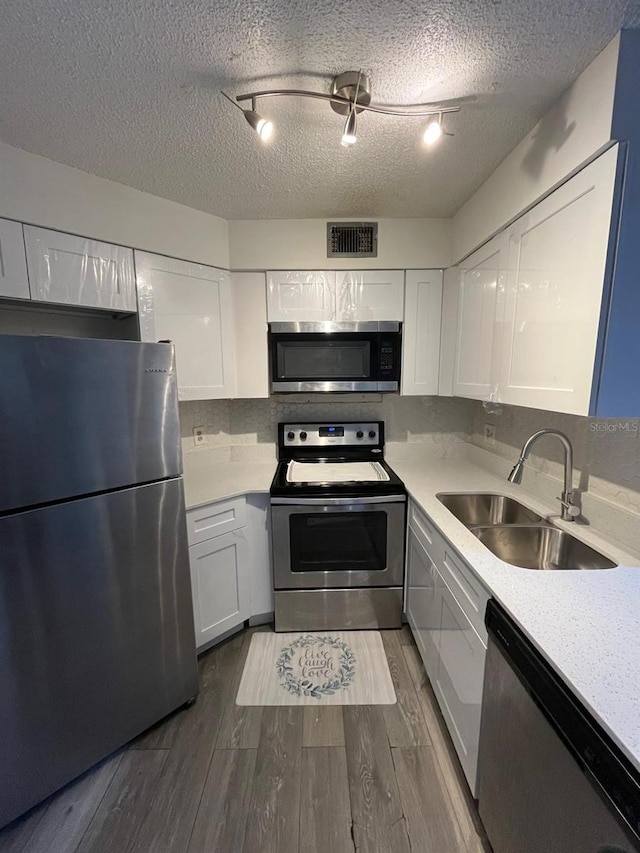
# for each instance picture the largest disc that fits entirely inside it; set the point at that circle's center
(570, 509)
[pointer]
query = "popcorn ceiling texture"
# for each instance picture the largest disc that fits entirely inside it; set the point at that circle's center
(130, 92)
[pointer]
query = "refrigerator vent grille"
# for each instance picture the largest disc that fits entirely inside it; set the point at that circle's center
(352, 239)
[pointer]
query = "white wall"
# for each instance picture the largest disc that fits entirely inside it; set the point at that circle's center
(575, 128)
(42, 192)
(277, 244)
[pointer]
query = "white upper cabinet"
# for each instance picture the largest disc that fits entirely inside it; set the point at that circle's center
(421, 332)
(556, 274)
(191, 305)
(14, 281)
(250, 333)
(342, 297)
(369, 295)
(301, 296)
(480, 286)
(72, 270)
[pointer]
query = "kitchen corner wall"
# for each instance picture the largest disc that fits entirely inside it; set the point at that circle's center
(606, 462)
(246, 430)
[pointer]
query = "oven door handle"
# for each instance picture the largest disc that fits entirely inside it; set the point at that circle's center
(378, 499)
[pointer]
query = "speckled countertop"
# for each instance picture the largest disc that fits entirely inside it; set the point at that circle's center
(585, 623)
(207, 482)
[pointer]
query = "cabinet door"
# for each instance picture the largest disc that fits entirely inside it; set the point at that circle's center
(73, 270)
(301, 296)
(556, 272)
(14, 281)
(481, 284)
(250, 333)
(191, 305)
(369, 295)
(423, 602)
(421, 332)
(220, 585)
(459, 680)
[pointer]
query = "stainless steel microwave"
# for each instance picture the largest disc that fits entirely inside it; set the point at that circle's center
(335, 357)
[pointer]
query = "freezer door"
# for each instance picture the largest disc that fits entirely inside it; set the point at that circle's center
(83, 416)
(96, 633)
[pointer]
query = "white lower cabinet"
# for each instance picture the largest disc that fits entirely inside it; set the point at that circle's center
(445, 606)
(230, 565)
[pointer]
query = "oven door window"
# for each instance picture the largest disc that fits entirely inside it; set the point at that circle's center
(322, 359)
(338, 542)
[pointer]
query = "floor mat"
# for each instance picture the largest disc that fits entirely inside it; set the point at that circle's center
(320, 668)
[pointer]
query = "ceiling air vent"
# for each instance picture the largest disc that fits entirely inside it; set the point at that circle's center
(352, 239)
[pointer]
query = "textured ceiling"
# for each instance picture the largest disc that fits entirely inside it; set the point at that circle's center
(129, 91)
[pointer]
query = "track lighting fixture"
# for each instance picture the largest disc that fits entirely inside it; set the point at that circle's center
(350, 94)
(262, 126)
(433, 131)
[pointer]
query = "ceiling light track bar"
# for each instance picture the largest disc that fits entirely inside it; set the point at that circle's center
(416, 110)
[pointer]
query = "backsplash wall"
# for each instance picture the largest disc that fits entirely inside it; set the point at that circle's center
(606, 461)
(247, 429)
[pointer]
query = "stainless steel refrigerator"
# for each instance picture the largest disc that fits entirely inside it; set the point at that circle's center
(96, 624)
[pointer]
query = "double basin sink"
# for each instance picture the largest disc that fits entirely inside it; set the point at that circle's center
(519, 536)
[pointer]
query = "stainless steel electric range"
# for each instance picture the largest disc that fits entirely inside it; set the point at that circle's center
(338, 529)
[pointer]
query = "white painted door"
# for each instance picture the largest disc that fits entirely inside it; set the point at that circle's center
(423, 602)
(72, 270)
(14, 281)
(480, 289)
(556, 272)
(220, 585)
(458, 681)
(421, 332)
(301, 296)
(250, 333)
(369, 295)
(191, 305)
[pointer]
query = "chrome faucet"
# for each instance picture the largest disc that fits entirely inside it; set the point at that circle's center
(570, 509)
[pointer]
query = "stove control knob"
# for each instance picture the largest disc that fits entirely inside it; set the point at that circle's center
(372, 433)
(303, 436)
(359, 434)
(291, 436)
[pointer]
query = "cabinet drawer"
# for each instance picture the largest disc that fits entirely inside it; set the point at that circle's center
(459, 681)
(213, 519)
(469, 592)
(423, 606)
(425, 533)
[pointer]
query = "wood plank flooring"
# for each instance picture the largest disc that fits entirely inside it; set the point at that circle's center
(219, 778)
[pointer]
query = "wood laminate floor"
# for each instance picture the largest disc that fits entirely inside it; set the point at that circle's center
(220, 778)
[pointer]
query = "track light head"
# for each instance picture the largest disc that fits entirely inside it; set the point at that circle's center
(262, 126)
(433, 131)
(349, 137)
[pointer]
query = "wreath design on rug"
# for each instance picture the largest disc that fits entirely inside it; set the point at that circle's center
(316, 666)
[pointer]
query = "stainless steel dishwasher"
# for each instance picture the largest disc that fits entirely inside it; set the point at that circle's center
(550, 779)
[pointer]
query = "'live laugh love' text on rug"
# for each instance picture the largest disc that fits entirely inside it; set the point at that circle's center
(325, 668)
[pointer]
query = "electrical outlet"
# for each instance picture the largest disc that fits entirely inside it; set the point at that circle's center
(490, 433)
(199, 436)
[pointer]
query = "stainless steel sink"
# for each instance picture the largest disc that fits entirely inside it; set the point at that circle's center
(474, 509)
(540, 546)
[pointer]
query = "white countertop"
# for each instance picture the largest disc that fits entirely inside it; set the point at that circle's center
(207, 482)
(585, 623)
